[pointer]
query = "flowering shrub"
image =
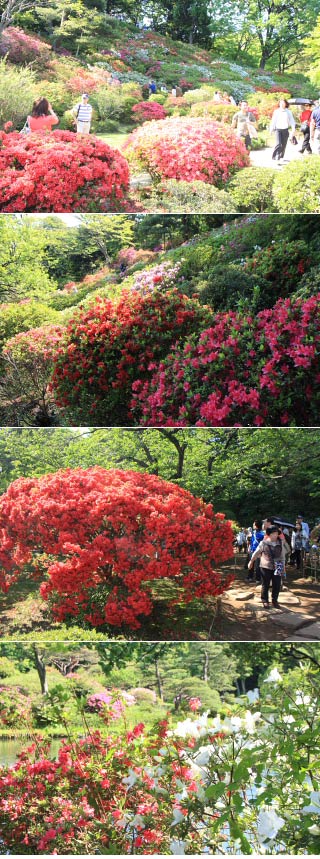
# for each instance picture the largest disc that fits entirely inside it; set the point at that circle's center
(146, 110)
(23, 315)
(161, 276)
(15, 707)
(109, 346)
(60, 172)
(241, 371)
(194, 788)
(21, 48)
(282, 264)
(27, 366)
(182, 148)
(132, 256)
(101, 537)
(111, 705)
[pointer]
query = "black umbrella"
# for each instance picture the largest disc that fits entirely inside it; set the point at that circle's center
(301, 101)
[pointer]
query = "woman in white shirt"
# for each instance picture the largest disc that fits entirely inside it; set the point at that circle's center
(282, 121)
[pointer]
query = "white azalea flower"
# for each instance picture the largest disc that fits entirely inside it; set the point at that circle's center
(269, 823)
(314, 807)
(203, 755)
(131, 779)
(192, 727)
(177, 847)
(250, 720)
(138, 820)
(315, 830)
(302, 699)
(177, 816)
(274, 676)
(253, 695)
(288, 720)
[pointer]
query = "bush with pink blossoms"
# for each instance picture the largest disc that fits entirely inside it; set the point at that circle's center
(145, 111)
(21, 49)
(162, 276)
(243, 370)
(183, 148)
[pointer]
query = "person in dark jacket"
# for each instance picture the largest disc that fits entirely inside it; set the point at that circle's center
(257, 536)
(271, 552)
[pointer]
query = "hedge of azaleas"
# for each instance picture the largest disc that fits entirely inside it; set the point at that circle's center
(241, 371)
(60, 172)
(183, 148)
(109, 346)
(101, 537)
(145, 111)
(247, 782)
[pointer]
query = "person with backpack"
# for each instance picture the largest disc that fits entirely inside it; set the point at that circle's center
(305, 120)
(299, 544)
(257, 536)
(82, 113)
(243, 121)
(282, 121)
(271, 552)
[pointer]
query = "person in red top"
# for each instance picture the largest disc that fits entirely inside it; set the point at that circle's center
(42, 117)
(305, 128)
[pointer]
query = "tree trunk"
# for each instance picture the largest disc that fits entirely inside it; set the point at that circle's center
(158, 678)
(206, 667)
(41, 669)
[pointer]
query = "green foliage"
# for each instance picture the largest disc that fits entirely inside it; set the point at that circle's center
(189, 197)
(15, 318)
(251, 189)
(231, 285)
(297, 187)
(18, 91)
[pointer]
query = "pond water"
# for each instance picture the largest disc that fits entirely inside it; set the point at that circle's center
(9, 749)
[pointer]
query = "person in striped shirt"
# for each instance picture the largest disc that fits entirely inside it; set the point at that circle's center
(82, 113)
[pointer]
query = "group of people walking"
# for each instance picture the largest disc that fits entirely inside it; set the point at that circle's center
(282, 126)
(270, 547)
(43, 117)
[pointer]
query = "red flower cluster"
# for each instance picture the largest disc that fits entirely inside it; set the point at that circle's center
(241, 371)
(110, 346)
(188, 148)
(60, 172)
(101, 538)
(144, 111)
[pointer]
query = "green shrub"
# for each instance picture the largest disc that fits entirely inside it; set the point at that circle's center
(219, 112)
(297, 187)
(190, 197)
(159, 97)
(251, 189)
(22, 317)
(17, 94)
(309, 284)
(229, 285)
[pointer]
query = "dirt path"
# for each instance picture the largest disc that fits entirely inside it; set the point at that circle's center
(242, 617)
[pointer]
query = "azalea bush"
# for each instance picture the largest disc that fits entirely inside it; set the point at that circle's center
(282, 265)
(252, 189)
(243, 783)
(100, 538)
(144, 111)
(110, 345)
(296, 188)
(243, 370)
(60, 172)
(22, 49)
(15, 707)
(188, 149)
(174, 195)
(21, 316)
(27, 366)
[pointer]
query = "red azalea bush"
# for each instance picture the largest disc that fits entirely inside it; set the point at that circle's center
(101, 537)
(144, 111)
(108, 346)
(241, 371)
(21, 48)
(60, 172)
(282, 264)
(184, 148)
